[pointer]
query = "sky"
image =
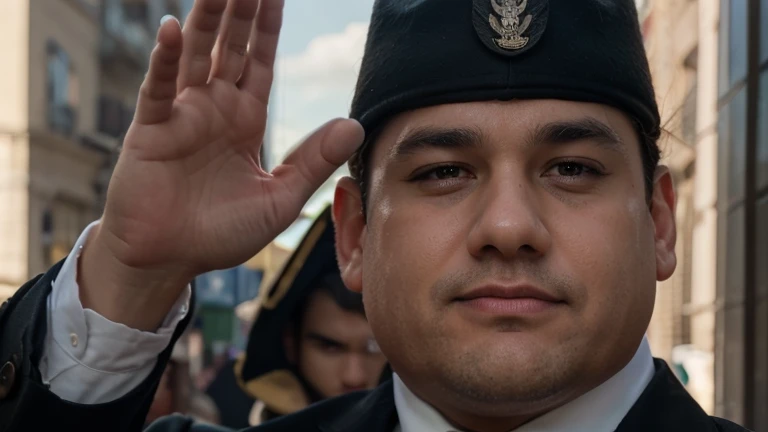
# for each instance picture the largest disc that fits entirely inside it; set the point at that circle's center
(318, 59)
(319, 56)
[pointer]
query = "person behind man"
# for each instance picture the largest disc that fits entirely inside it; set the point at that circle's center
(310, 340)
(176, 392)
(506, 222)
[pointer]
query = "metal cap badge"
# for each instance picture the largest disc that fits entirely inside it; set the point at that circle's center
(510, 27)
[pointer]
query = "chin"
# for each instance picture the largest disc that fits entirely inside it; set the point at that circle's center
(508, 389)
(509, 373)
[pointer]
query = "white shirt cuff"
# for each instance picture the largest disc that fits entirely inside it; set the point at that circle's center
(89, 359)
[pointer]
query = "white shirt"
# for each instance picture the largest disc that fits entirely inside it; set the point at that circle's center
(599, 410)
(88, 359)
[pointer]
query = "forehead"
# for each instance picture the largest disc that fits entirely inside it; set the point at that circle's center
(507, 120)
(322, 313)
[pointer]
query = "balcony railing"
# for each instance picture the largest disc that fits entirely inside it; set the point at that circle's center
(124, 38)
(114, 117)
(62, 118)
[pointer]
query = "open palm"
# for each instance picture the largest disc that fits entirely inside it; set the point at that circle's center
(188, 189)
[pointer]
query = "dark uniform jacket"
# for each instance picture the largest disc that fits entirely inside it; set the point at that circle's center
(27, 405)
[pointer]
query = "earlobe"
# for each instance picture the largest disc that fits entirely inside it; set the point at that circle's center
(349, 222)
(665, 227)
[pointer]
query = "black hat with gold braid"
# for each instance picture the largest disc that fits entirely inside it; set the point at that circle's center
(264, 372)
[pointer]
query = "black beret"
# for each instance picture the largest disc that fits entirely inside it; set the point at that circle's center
(422, 53)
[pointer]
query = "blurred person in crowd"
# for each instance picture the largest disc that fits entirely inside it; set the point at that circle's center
(310, 340)
(177, 392)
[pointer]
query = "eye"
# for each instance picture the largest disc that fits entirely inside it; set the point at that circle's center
(442, 172)
(330, 348)
(573, 169)
(569, 169)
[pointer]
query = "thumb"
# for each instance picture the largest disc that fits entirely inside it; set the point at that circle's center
(309, 165)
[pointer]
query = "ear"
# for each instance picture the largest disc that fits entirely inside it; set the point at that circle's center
(663, 204)
(349, 222)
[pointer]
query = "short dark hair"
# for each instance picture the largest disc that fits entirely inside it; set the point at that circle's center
(348, 300)
(360, 161)
(331, 284)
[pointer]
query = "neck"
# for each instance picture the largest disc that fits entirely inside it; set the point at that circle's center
(497, 419)
(611, 394)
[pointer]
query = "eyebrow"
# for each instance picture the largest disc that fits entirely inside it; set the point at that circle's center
(433, 137)
(588, 128)
(324, 339)
(560, 132)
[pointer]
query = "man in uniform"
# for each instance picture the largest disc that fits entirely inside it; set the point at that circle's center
(506, 223)
(310, 340)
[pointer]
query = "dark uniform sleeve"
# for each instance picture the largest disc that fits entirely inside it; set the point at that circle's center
(180, 423)
(26, 404)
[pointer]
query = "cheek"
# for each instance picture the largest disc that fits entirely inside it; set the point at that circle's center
(407, 249)
(403, 252)
(317, 366)
(610, 250)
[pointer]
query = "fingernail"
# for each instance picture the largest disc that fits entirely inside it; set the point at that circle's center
(166, 18)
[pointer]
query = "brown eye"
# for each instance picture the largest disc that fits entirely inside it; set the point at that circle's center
(570, 169)
(442, 173)
(573, 170)
(446, 172)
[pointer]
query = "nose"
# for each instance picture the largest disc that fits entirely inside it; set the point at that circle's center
(508, 222)
(353, 375)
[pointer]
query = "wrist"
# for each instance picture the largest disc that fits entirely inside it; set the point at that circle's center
(139, 298)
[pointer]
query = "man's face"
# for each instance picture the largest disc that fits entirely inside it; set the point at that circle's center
(508, 258)
(335, 348)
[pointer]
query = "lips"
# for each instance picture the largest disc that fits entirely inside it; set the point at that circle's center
(500, 300)
(509, 292)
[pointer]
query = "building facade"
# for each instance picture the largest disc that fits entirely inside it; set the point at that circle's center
(70, 77)
(709, 59)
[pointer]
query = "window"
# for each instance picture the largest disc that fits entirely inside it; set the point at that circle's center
(722, 47)
(743, 209)
(733, 43)
(113, 15)
(723, 144)
(114, 116)
(763, 31)
(732, 125)
(734, 259)
(737, 41)
(737, 147)
(761, 279)
(762, 130)
(63, 90)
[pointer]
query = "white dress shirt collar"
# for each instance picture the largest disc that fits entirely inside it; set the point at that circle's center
(599, 410)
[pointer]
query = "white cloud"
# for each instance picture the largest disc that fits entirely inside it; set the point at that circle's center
(330, 63)
(284, 138)
(314, 86)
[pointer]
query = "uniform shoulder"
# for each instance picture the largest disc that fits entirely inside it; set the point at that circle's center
(724, 425)
(325, 412)
(320, 413)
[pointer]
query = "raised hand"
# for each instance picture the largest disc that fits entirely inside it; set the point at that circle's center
(188, 194)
